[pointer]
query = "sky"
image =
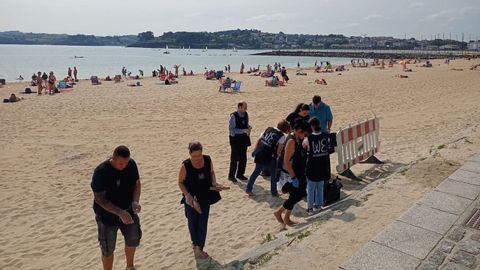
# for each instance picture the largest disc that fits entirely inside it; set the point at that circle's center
(400, 18)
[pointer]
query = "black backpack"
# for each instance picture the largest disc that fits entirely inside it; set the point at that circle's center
(331, 191)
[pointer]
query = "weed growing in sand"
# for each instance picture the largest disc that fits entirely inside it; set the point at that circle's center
(468, 141)
(303, 234)
(265, 258)
(441, 146)
(268, 237)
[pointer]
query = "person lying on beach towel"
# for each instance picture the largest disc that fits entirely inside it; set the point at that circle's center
(301, 73)
(134, 84)
(321, 81)
(12, 98)
(170, 81)
(401, 76)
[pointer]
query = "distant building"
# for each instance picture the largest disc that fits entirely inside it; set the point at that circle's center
(474, 45)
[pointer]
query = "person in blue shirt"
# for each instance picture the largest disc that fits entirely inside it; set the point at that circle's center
(322, 112)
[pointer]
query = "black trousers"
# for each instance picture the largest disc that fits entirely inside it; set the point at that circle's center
(238, 157)
(296, 195)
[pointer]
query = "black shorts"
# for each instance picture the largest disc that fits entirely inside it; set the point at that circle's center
(107, 235)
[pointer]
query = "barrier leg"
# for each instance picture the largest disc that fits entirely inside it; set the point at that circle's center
(349, 174)
(372, 160)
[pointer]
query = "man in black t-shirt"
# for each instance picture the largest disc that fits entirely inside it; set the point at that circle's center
(116, 187)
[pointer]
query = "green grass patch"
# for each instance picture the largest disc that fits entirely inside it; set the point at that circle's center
(268, 237)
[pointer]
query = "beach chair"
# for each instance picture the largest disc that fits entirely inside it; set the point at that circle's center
(236, 86)
(62, 85)
(95, 80)
(117, 78)
(219, 74)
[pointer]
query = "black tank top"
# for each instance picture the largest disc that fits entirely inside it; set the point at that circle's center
(199, 181)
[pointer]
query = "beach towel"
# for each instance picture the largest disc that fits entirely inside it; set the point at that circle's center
(65, 90)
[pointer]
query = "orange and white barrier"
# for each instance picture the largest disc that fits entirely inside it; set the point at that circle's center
(357, 143)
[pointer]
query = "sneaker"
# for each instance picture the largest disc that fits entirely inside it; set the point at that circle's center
(242, 177)
(250, 194)
(310, 211)
(233, 179)
(317, 209)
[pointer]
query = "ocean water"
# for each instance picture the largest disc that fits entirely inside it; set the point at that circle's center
(101, 61)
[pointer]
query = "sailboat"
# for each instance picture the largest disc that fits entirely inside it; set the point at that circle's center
(166, 50)
(234, 49)
(206, 49)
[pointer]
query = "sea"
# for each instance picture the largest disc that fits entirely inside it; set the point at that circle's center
(24, 60)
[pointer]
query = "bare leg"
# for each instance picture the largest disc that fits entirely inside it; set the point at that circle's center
(107, 262)
(129, 254)
(288, 221)
(278, 214)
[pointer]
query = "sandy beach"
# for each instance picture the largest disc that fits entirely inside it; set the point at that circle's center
(50, 146)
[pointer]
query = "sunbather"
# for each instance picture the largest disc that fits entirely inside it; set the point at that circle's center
(321, 81)
(14, 98)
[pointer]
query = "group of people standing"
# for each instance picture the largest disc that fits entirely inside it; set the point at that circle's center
(296, 152)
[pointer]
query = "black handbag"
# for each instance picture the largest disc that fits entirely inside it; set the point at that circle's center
(331, 191)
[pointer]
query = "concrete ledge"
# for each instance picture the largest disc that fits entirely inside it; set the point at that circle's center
(458, 188)
(374, 256)
(446, 202)
(406, 238)
(471, 166)
(428, 218)
(466, 177)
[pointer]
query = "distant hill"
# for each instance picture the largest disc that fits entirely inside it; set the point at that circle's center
(239, 39)
(16, 37)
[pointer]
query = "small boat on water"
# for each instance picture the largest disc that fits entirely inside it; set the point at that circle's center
(166, 50)
(79, 56)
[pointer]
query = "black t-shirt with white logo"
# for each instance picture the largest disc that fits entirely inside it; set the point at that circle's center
(318, 160)
(118, 187)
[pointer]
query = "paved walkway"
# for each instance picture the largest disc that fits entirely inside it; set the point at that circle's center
(431, 234)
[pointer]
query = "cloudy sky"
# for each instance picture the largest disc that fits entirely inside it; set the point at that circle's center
(398, 18)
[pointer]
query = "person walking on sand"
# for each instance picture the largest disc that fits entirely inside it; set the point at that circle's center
(176, 70)
(322, 112)
(293, 172)
(239, 138)
(75, 72)
(283, 72)
(69, 72)
(116, 189)
(39, 83)
(269, 146)
(51, 83)
(242, 67)
(44, 79)
(199, 188)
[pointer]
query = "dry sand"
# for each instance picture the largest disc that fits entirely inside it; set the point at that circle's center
(51, 144)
